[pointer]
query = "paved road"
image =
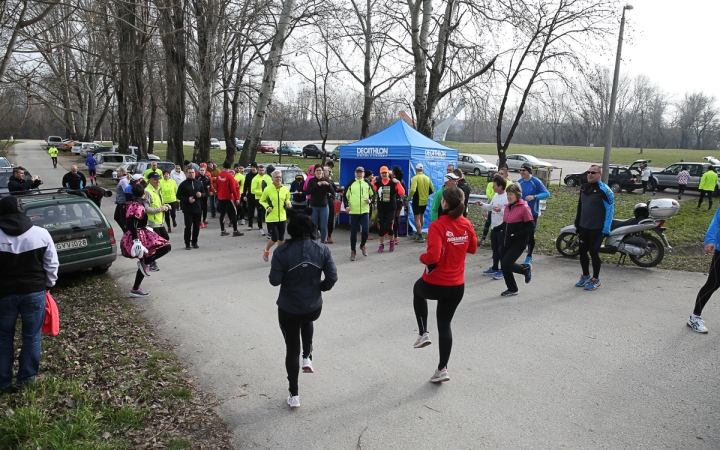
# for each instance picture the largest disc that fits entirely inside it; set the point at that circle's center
(553, 367)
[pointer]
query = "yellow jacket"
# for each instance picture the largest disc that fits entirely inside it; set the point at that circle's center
(278, 198)
(240, 178)
(256, 188)
(708, 181)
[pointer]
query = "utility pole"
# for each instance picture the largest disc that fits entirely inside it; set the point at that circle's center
(642, 129)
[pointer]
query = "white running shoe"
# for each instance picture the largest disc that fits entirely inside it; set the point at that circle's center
(242, 222)
(440, 376)
(423, 341)
(262, 232)
(696, 323)
(293, 401)
(307, 365)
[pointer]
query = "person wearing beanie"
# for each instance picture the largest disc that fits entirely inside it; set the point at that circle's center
(240, 178)
(248, 196)
(30, 266)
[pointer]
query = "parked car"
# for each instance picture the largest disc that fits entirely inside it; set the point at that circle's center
(53, 141)
(75, 150)
(88, 147)
(289, 171)
(289, 148)
(515, 161)
(4, 163)
(134, 152)
(474, 164)
(83, 237)
(619, 178)
(109, 162)
(335, 153)
(65, 145)
(712, 160)
(667, 178)
(312, 150)
(140, 167)
(5, 174)
(214, 143)
(265, 147)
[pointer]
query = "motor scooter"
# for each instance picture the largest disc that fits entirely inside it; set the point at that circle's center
(631, 237)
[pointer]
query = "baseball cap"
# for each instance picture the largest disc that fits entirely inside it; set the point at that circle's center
(137, 176)
(153, 175)
(450, 176)
(418, 166)
(384, 169)
(359, 169)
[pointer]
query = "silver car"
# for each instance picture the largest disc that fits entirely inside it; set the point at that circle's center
(515, 161)
(667, 178)
(474, 164)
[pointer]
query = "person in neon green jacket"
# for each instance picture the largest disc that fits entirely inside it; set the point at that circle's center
(53, 155)
(420, 189)
(450, 181)
(168, 190)
(256, 189)
(275, 199)
(708, 184)
(357, 197)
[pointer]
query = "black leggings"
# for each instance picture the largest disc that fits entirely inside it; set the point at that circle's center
(531, 240)
(293, 326)
(331, 218)
(276, 231)
(204, 207)
(590, 241)
(120, 216)
(709, 195)
(385, 221)
(448, 297)
(226, 207)
(171, 214)
(710, 286)
(681, 189)
(250, 209)
(509, 265)
(162, 251)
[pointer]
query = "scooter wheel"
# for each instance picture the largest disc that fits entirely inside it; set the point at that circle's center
(568, 244)
(654, 252)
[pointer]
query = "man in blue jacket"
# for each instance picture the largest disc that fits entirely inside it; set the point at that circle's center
(596, 206)
(712, 242)
(533, 190)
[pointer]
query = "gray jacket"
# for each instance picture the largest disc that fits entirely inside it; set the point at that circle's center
(297, 267)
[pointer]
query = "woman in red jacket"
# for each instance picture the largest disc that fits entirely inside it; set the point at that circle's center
(449, 239)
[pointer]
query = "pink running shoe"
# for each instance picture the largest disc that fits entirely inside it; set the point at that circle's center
(381, 248)
(392, 246)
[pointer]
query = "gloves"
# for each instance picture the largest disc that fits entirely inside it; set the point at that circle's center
(138, 250)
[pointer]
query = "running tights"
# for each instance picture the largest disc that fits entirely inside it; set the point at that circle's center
(531, 239)
(590, 241)
(162, 251)
(448, 298)
(703, 194)
(385, 221)
(711, 285)
(293, 327)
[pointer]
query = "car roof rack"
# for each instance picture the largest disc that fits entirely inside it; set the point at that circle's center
(47, 192)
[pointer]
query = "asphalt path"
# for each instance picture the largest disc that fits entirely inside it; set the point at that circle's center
(554, 367)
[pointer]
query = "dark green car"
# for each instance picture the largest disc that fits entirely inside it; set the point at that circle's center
(83, 237)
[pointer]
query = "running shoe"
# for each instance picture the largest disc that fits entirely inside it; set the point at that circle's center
(397, 240)
(370, 238)
(224, 233)
(262, 232)
(528, 274)
(195, 246)
(498, 275)
(490, 272)
(174, 224)
(250, 227)
(421, 238)
(381, 248)
(508, 293)
(169, 230)
(392, 246)
(423, 341)
(440, 376)
(266, 256)
(352, 256)
(482, 241)
(139, 293)
(363, 249)
(205, 222)
(696, 323)
(293, 401)
(592, 284)
(242, 221)
(583, 280)
(238, 233)
(144, 268)
(307, 365)
(154, 267)
(212, 216)
(187, 247)
(329, 240)
(528, 260)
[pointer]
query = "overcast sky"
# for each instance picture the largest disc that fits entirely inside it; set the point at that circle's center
(674, 43)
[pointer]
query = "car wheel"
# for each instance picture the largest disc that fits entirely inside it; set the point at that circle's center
(304, 155)
(571, 182)
(101, 269)
(476, 172)
(108, 174)
(616, 187)
(335, 158)
(660, 188)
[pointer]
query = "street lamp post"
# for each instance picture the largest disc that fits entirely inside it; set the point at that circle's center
(613, 98)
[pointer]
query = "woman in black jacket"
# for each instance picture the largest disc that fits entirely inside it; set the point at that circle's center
(297, 267)
(319, 189)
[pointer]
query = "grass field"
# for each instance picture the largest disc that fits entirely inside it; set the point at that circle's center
(659, 157)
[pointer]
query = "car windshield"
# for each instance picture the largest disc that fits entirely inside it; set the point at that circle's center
(4, 162)
(63, 218)
(477, 159)
(214, 140)
(531, 158)
(289, 176)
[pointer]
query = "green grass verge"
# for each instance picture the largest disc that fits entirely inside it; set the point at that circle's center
(659, 157)
(106, 382)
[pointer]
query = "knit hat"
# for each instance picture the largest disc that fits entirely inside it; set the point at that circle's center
(253, 164)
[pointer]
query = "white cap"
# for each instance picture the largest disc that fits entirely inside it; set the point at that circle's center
(418, 166)
(450, 176)
(137, 176)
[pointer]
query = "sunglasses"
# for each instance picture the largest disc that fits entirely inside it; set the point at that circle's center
(591, 172)
(524, 170)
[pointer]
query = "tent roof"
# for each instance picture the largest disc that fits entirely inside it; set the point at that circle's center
(399, 134)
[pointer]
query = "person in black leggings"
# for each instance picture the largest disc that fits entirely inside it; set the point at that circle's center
(713, 281)
(450, 238)
(297, 267)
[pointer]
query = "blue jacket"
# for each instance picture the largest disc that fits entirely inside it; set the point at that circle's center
(608, 199)
(90, 162)
(535, 187)
(713, 232)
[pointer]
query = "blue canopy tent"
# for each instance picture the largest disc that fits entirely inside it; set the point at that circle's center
(399, 144)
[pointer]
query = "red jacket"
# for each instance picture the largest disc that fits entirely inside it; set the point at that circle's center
(448, 241)
(227, 186)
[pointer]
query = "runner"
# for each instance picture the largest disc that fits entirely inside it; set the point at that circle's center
(533, 190)
(190, 194)
(259, 183)
(228, 194)
(464, 186)
(74, 179)
(489, 192)
(248, 195)
(517, 226)
(388, 191)
(140, 242)
(275, 199)
(712, 240)
(169, 190)
(299, 199)
(370, 178)
(155, 210)
(240, 178)
(123, 183)
(708, 184)
(331, 203)
(682, 178)
(450, 180)
(318, 189)
(397, 176)
(53, 152)
(420, 189)
(297, 267)
(203, 177)
(213, 172)
(153, 169)
(92, 168)
(496, 208)
(178, 175)
(450, 238)
(358, 197)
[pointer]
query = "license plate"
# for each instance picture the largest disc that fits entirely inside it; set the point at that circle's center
(70, 245)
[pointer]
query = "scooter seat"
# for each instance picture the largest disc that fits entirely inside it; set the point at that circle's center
(616, 223)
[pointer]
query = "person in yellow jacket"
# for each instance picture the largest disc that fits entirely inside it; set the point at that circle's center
(708, 184)
(490, 193)
(240, 178)
(420, 189)
(357, 197)
(168, 190)
(153, 169)
(259, 183)
(155, 209)
(275, 199)
(53, 155)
